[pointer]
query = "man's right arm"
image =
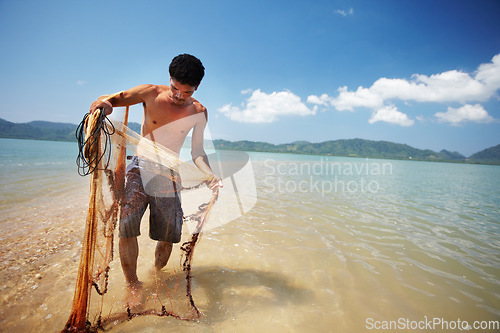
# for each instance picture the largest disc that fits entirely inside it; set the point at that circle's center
(135, 95)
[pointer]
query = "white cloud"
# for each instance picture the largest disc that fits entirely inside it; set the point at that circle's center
(421, 119)
(321, 100)
(267, 108)
(489, 75)
(81, 83)
(362, 97)
(345, 13)
(473, 113)
(390, 114)
(448, 87)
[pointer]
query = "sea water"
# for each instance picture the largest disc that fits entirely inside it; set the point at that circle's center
(30, 169)
(333, 244)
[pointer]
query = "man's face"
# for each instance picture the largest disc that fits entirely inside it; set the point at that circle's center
(180, 92)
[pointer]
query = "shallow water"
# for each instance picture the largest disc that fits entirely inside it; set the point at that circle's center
(333, 244)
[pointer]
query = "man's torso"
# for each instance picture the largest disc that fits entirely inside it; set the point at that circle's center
(168, 123)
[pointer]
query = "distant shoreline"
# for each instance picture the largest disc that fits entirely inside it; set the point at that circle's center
(361, 148)
(311, 154)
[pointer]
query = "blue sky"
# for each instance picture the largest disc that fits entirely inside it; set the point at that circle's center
(424, 73)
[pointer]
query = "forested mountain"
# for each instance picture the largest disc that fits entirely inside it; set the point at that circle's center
(350, 147)
(487, 156)
(44, 130)
(38, 130)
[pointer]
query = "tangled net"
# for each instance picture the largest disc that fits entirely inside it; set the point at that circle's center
(103, 147)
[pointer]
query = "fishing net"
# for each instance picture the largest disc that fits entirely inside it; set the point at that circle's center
(100, 298)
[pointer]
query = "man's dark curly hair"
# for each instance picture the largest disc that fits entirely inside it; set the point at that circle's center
(187, 69)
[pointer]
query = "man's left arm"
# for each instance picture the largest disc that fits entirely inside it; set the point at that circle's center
(198, 154)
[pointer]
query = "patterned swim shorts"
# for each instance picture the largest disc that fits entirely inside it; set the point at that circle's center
(144, 186)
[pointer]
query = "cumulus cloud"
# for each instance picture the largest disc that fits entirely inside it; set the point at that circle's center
(448, 87)
(473, 113)
(321, 100)
(266, 108)
(344, 12)
(489, 75)
(390, 114)
(362, 97)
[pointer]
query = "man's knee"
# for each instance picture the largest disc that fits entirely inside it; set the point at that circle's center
(164, 245)
(128, 247)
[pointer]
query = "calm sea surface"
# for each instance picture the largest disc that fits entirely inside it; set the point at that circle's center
(332, 245)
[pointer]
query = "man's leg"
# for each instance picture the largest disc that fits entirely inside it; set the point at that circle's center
(162, 254)
(129, 252)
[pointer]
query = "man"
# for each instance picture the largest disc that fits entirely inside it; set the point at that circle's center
(170, 112)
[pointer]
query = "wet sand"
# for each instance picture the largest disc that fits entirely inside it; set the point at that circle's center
(40, 250)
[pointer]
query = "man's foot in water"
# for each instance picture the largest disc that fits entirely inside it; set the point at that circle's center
(134, 295)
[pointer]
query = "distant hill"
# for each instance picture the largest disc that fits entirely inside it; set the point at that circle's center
(44, 130)
(351, 147)
(38, 130)
(135, 127)
(488, 156)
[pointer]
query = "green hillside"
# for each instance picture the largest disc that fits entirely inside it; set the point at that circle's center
(38, 130)
(487, 156)
(44, 130)
(352, 147)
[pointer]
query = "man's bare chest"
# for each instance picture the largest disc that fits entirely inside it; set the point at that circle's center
(173, 120)
(161, 111)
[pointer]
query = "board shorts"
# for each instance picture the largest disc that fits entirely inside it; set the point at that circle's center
(144, 187)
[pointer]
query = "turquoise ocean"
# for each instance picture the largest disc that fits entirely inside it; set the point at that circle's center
(333, 244)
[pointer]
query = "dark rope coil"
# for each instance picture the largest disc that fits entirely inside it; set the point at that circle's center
(87, 163)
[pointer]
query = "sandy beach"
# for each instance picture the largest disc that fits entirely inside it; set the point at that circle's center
(40, 250)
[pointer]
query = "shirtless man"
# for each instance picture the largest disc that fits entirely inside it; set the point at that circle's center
(170, 112)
